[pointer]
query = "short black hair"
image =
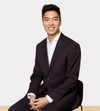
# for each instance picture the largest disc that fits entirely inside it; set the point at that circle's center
(51, 7)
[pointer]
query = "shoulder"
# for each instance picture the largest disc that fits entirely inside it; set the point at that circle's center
(70, 43)
(41, 43)
(68, 39)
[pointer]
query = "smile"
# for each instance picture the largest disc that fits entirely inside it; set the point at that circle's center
(51, 29)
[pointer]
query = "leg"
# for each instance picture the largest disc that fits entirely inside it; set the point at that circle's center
(53, 107)
(21, 105)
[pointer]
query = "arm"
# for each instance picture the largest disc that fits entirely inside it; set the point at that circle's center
(73, 66)
(36, 76)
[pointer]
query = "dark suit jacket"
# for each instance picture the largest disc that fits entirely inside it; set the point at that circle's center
(60, 78)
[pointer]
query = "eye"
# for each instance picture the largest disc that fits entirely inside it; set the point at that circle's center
(46, 20)
(55, 19)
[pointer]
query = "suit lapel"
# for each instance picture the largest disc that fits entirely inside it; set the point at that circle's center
(46, 55)
(57, 51)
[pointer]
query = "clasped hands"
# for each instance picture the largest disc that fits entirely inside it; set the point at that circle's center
(38, 104)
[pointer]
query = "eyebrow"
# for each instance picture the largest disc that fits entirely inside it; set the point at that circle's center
(52, 17)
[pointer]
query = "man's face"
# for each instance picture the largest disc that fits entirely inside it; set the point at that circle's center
(51, 23)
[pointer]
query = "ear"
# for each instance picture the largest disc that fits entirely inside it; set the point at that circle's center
(42, 22)
(60, 23)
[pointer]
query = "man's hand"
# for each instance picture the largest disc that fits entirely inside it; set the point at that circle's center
(40, 103)
(32, 99)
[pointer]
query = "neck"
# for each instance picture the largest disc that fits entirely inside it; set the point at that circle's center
(51, 37)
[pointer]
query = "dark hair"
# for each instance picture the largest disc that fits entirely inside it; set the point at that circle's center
(51, 7)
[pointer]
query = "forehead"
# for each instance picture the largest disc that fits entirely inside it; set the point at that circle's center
(51, 14)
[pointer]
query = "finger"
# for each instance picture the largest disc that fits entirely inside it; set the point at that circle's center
(38, 107)
(31, 104)
(39, 110)
(36, 100)
(36, 103)
(33, 108)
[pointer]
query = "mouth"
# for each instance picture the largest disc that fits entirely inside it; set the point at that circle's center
(51, 28)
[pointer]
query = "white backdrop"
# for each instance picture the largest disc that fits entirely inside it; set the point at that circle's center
(21, 29)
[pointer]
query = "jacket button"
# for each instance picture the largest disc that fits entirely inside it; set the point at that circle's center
(48, 78)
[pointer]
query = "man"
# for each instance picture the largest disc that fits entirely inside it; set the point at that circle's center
(53, 85)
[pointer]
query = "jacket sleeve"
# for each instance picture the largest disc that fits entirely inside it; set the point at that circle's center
(36, 76)
(73, 66)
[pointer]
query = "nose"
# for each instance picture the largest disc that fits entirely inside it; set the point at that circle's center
(51, 22)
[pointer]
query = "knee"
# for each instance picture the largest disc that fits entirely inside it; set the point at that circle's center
(11, 109)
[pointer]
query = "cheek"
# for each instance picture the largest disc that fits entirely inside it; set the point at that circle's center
(57, 24)
(45, 25)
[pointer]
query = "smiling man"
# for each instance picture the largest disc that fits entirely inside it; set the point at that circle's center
(53, 85)
(51, 23)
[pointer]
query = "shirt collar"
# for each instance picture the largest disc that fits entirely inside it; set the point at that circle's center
(55, 39)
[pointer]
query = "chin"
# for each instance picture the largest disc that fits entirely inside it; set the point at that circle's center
(51, 34)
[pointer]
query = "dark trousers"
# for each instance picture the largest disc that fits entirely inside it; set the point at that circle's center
(23, 105)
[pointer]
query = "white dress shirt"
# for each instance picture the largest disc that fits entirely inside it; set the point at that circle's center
(50, 50)
(51, 47)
